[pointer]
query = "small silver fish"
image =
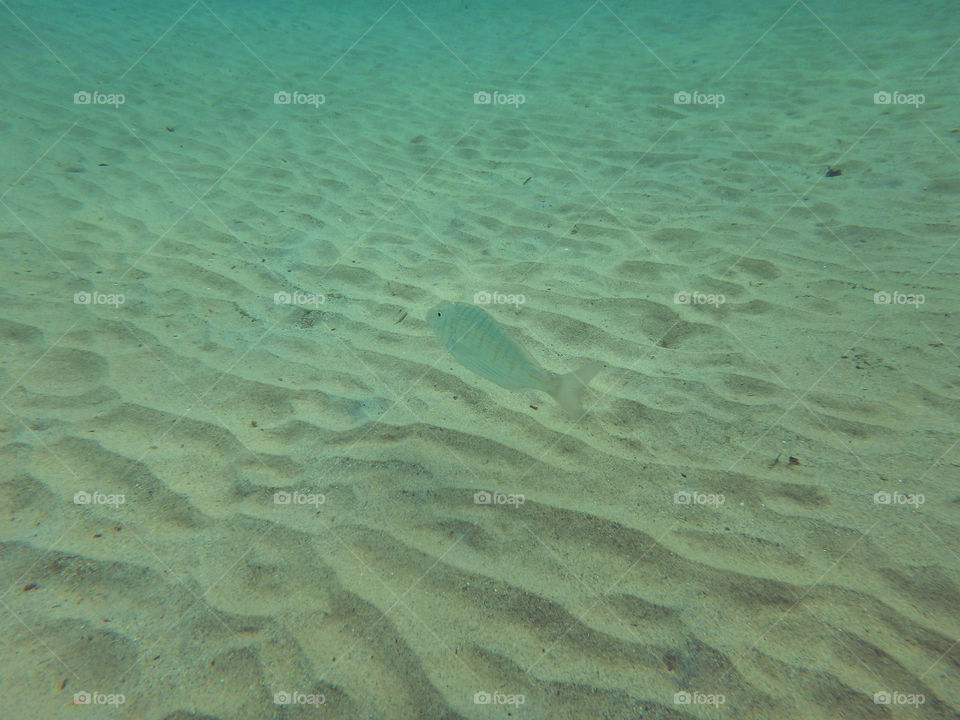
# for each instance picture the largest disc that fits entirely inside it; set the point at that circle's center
(480, 344)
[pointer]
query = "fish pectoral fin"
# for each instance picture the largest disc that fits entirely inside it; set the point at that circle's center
(570, 387)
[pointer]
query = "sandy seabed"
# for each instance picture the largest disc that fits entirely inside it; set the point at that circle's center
(300, 473)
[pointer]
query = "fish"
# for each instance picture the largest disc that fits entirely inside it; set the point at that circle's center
(477, 340)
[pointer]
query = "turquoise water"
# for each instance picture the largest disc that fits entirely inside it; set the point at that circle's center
(243, 478)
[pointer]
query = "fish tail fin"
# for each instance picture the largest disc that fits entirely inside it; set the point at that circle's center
(571, 386)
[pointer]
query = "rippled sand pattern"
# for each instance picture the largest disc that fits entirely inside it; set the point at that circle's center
(710, 527)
